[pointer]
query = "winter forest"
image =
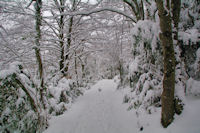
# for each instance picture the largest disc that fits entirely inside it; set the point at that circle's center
(99, 66)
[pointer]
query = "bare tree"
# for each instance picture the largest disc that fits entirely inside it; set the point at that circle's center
(38, 18)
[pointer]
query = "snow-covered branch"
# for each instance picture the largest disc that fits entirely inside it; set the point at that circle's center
(86, 13)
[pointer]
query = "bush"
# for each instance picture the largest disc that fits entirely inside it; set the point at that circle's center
(18, 110)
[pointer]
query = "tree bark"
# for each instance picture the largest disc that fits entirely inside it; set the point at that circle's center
(181, 75)
(69, 34)
(176, 7)
(68, 46)
(38, 18)
(61, 35)
(76, 67)
(167, 97)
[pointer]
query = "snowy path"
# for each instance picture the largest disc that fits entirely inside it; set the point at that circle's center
(96, 112)
(103, 112)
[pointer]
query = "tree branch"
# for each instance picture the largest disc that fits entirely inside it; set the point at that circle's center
(29, 4)
(86, 13)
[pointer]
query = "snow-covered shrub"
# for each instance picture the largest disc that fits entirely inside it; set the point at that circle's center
(61, 95)
(189, 41)
(189, 37)
(145, 70)
(18, 108)
(193, 87)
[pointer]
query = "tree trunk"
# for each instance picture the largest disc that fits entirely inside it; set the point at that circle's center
(167, 97)
(176, 7)
(181, 75)
(76, 68)
(69, 34)
(61, 35)
(68, 46)
(38, 18)
(121, 72)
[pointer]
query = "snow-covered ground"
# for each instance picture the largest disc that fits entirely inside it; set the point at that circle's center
(100, 110)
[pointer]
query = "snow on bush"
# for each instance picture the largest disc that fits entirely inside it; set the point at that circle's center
(145, 70)
(193, 87)
(62, 94)
(190, 36)
(17, 109)
(20, 107)
(189, 41)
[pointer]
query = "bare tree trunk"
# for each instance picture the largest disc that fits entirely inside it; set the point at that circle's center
(68, 47)
(181, 75)
(83, 70)
(176, 7)
(76, 68)
(38, 17)
(69, 39)
(61, 35)
(167, 98)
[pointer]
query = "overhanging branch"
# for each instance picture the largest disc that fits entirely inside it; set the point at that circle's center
(86, 13)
